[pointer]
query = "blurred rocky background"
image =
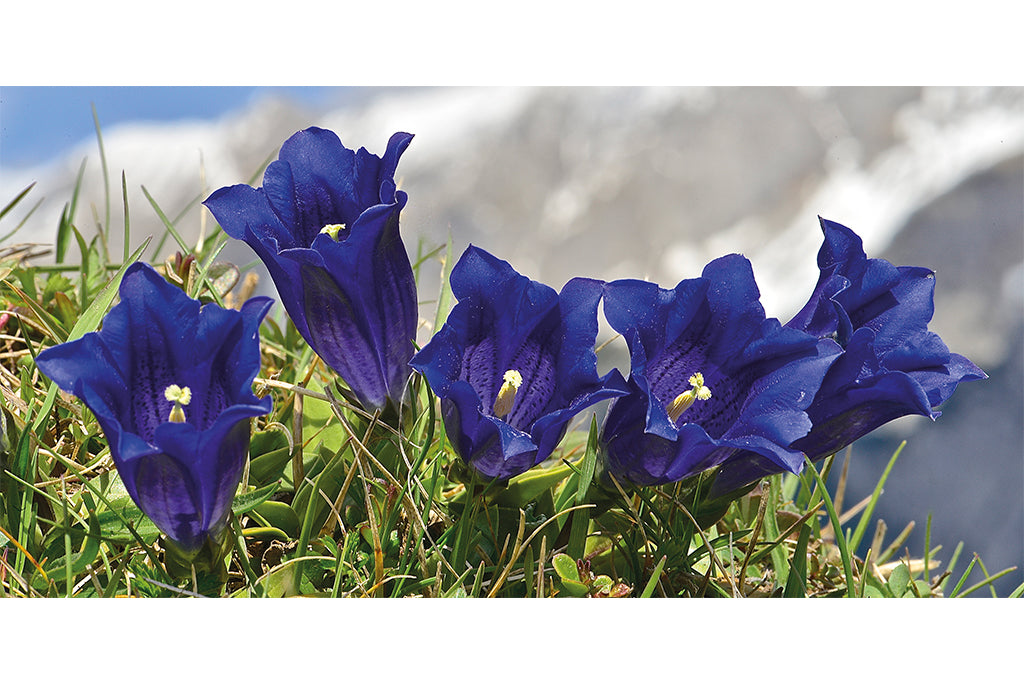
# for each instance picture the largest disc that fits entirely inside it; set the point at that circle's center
(653, 183)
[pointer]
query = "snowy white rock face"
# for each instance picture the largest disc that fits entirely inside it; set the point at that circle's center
(653, 183)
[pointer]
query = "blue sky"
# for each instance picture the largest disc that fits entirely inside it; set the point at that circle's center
(38, 123)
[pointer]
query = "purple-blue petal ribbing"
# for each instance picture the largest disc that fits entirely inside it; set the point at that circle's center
(505, 321)
(353, 297)
(183, 475)
(762, 377)
(891, 364)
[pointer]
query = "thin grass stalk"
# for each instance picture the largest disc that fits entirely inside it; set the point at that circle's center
(24, 219)
(755, 534)
(655, 578)
(771, 524)
(844, 550)
(127, 222)
(518, 548)
(928, 546)
(988, 582)
(862, 526)
(341, 557)
(243, 558)
(541, 559)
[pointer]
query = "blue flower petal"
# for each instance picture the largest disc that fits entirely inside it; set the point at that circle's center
(351, 296)
(890, 366)
(762, 376)
(183, 475)
(504, 321)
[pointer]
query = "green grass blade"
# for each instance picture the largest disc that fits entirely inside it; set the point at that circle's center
(960, 583)
(655, 575)
(771, 526)
(167, 223)
(837, 530)
(106, 175)
(927, 547)
(203, 277)
(952, 565)
(865, 518)
(14, 202)
(22, 222)
(68, 576)
(581, 518)
(444, 297)
(124, 198)
(67, 218)
(988, 582)
(796, 582)
(341, 556)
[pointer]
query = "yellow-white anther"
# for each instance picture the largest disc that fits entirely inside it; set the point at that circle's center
(181, 396)
(684, 400)
(333, 229)
(511, 382)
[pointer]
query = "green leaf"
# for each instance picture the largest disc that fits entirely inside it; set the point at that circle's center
(318, 423)
(574, 589)
(266, 533)
(279, 515)
(12, 491)
(899, 580)
(122, 511)
(796, 582)
(565, 567)
(872, 592)
(269, 466)
(281, 581)
(244, 502)
(530, 485)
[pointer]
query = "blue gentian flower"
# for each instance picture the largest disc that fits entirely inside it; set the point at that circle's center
(513, 364)
(170, 383)
(891, 365)
(325, 223)
(710, 377)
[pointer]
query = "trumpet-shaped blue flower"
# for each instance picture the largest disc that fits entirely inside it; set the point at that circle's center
(711, 377)
(513, 364)
(325, 223)
(891, 364)
(170, 383)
